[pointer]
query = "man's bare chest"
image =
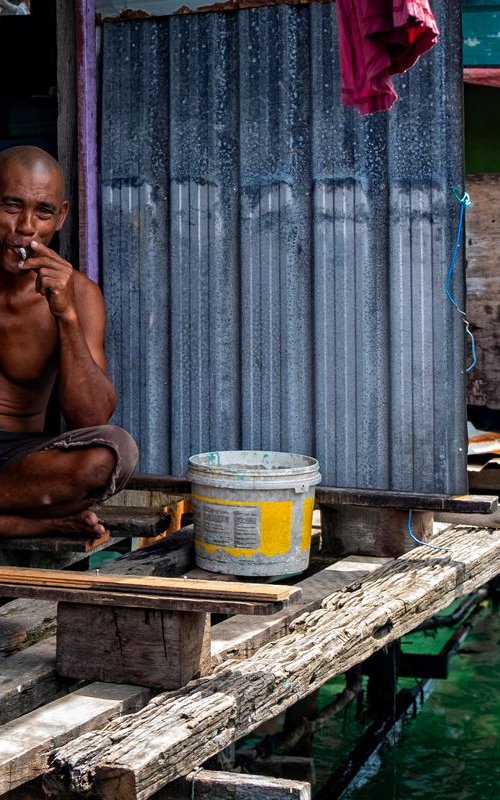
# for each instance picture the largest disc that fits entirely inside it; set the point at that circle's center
(28, 344)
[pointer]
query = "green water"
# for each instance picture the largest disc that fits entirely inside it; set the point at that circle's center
(451, 750)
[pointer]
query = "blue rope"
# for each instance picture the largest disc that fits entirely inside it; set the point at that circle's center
(465, 202)
(419, 541)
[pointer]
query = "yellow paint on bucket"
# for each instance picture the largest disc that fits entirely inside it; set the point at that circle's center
(253, 511)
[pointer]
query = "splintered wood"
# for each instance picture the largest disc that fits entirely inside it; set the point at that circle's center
(171, 594)
(133, 758)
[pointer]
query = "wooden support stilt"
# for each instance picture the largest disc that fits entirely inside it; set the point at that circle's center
(147, 647)
(358, 530)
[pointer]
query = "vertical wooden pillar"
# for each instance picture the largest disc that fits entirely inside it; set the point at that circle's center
(86, 75)
(67, 152)
(364, 531)
(147, 647)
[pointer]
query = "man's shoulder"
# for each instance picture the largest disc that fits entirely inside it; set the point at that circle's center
(85, 288)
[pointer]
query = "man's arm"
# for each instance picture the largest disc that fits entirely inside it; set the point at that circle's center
(86, 395)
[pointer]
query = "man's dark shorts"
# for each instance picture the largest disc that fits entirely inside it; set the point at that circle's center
(13, 446)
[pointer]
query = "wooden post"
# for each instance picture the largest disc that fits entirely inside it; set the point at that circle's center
(146, 647)
(359, 530)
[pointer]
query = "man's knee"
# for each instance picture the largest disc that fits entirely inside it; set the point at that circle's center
(95, 466)
(107, 457)
(124, 453)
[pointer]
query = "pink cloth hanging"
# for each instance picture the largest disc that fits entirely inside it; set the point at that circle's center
(379, 38)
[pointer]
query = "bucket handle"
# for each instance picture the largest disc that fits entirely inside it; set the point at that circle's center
(301, 488)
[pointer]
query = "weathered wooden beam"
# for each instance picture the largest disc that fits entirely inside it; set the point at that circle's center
(134, 521)
(327, 495)
(24, 622)
(240, 636)
(159, 483)
(58, 544)
(135, 757)
(493, 520)
(487, 480)
(298, 768)
(25, 743)
(28, 680)
(170, 557)
(467, 504)
(211, 785)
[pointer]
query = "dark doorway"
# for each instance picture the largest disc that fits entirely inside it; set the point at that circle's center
(28, 78)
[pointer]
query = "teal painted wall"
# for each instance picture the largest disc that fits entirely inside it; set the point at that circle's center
(481, 28)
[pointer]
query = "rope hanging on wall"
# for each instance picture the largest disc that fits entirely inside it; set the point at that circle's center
(465, 202)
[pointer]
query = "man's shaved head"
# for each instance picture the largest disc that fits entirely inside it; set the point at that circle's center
(33, 159)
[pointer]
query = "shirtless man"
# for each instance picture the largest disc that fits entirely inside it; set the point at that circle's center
(52, 322)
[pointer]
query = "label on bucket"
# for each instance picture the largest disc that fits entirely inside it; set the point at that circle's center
(228, 526)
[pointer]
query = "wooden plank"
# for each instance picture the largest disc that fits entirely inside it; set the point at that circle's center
(134, 521)
(145, 498)
(326, 495)
(240, 636)
(60, 544)
(119, 523)
(137, 756)
(172, 587)
(487, 480)
(471, 504)
(25, 743)
(146, 592)
(172, 556)
(28, 679)
(211, 785)
(159, 649)
(159, 483)
(24, 622)
(493, 520)
(137, 599)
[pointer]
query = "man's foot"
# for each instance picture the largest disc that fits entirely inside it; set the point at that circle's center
(82, 525)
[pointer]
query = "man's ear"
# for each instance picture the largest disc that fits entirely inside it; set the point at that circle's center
(62, 214)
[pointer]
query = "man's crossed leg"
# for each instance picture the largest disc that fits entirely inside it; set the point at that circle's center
(49, 485)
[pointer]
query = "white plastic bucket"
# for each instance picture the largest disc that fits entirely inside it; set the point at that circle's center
(253, 511)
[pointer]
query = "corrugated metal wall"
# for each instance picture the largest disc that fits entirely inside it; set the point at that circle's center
(274, 264)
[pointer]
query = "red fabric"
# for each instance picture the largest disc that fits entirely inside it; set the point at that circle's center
(483, 76)
(379, 38)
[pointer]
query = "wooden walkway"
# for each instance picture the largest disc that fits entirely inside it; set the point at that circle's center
(81, 742)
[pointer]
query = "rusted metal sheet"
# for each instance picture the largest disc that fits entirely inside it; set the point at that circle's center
(274, 264)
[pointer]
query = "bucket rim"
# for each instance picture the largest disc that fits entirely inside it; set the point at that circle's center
(309, 465)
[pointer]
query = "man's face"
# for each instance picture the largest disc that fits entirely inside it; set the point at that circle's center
(31, 208)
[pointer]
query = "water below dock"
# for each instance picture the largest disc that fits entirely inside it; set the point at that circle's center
(451, 749)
